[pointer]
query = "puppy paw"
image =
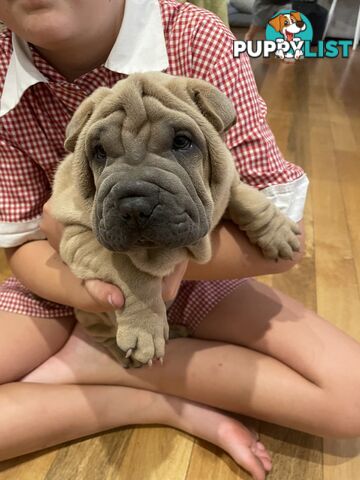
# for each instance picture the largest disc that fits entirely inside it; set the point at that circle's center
(280, 239)
(143, 343)
(120, 356)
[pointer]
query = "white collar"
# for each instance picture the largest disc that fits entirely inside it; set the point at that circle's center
(139, 47)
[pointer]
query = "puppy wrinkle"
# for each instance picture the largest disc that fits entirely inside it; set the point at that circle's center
(134, 108)
(125, 96)
(171, 93)
(136, 130)
(135, 142)
(188, 185)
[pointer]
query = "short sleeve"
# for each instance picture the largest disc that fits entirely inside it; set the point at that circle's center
(256, 154)
(24, 189)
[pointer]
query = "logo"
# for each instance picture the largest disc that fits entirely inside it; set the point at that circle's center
(288, 36)
(289, 31)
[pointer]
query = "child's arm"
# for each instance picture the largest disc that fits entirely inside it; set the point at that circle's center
(39, 267)
(235, 257)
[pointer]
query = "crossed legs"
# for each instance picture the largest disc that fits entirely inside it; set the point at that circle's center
(267, 357)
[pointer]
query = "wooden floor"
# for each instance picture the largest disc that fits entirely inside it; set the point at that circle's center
(314, 111)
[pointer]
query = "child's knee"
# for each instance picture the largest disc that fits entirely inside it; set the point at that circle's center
(26, 342)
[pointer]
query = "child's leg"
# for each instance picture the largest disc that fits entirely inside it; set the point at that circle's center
(29, 413)
(294, 368)
(271, 323)
(30, 416)
(26, 342)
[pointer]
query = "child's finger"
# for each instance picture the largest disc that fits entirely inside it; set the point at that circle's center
(105, 294)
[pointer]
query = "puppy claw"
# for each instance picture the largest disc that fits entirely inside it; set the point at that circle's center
(150, 363)
(129, 353)
(161, 359)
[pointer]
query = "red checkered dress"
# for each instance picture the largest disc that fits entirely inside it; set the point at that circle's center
(32, 135)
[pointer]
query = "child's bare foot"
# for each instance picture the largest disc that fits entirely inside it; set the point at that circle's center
(227, 433)
(80, 360)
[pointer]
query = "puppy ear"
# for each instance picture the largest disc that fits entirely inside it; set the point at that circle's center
(296, 15)
(275, 23)
(213, 104)
(82, 174)
(81, 117)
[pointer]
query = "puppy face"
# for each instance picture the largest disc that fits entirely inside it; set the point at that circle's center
(288, 24)
(149, 156)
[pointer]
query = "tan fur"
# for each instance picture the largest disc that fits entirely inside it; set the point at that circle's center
(142, 325)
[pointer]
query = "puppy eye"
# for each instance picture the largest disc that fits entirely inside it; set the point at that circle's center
(99, 153)
(181, 142)
(286, 22)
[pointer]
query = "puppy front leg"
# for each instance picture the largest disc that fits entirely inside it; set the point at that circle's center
(142, 326)
(102, 328)
(87, 259)
(264, 224)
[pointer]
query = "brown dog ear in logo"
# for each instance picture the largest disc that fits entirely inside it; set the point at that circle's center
(275, 23)
(297, 16)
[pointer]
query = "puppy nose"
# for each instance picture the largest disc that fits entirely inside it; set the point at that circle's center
(300, 23)
(135, 211)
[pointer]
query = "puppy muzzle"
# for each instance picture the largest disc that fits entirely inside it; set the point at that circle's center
(136, 213)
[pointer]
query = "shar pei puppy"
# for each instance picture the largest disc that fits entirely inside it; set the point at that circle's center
(147, 179)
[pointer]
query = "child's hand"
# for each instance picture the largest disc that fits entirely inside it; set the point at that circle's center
(107, 297)
(104, 297)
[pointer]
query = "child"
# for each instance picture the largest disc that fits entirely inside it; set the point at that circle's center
(59, 51)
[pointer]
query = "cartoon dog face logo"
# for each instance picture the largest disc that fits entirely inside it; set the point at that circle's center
(288, 25)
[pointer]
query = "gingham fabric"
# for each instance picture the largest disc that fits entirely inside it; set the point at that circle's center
(32, 135)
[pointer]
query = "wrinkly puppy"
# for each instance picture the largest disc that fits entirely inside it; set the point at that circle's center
(147, 180)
